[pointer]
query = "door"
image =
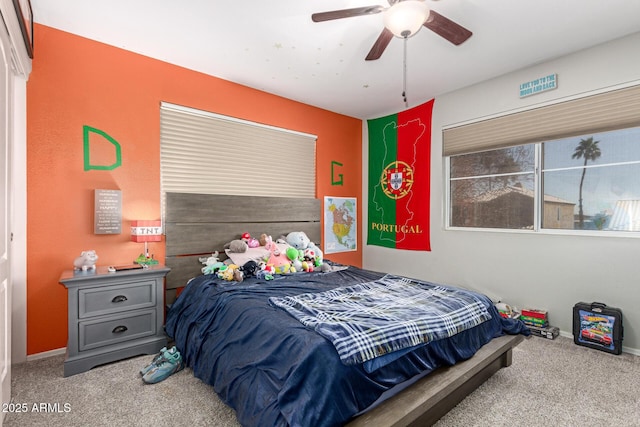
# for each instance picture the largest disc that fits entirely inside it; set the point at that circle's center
(5, 219)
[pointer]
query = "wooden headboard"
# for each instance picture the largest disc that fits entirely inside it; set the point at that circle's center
(196, 225)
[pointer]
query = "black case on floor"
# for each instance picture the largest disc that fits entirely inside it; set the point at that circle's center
(598, 326)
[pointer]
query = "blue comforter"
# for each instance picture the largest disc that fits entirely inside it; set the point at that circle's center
(276, 372)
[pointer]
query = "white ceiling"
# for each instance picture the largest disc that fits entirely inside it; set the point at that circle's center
(275, 47)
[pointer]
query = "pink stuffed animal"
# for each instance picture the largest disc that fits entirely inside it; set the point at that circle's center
(250, 241)
(279, 260)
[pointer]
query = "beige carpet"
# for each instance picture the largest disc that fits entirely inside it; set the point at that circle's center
(551, 382)
(114, 395)
(555, 383)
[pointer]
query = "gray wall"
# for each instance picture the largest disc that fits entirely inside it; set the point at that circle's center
(546, 271)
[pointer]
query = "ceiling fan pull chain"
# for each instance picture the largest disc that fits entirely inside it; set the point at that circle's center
(404, 75)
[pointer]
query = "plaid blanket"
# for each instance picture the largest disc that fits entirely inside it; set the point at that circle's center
(393, 313)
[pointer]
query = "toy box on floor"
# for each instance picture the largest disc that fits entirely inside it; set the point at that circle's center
(538, 323)
(549, 332)
(598, 326)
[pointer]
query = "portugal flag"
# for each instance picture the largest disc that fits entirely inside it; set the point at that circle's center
(399, 179)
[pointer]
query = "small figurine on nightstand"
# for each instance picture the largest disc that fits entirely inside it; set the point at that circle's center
(86, 261)
(146, 260)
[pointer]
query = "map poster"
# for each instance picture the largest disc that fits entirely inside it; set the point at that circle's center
(340, 225)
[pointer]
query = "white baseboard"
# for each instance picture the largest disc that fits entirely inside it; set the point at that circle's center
(46, 354)
(634, 351)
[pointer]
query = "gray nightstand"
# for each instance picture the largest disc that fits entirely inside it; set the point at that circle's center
(113, 316)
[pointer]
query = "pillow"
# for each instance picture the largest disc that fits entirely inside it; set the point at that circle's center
(254, 254)
(251, 254)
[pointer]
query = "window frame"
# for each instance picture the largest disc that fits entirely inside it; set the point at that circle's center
(538, 204)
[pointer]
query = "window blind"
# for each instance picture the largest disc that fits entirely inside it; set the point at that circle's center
(203, 152)
(595, 113)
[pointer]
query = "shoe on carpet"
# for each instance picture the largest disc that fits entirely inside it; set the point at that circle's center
(154, 361)
(169, 364)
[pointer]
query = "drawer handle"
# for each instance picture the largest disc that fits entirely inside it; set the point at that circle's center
(119, 329)
(119, 298)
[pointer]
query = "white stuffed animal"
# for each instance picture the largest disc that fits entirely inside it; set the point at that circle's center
(300, 240)
(86, 261)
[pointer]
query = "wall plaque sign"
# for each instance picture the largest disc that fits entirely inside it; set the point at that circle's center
(541, 84)
(107, 212)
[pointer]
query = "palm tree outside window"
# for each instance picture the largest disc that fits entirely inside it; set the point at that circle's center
(589, 150)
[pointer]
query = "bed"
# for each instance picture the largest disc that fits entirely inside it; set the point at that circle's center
(272, 369)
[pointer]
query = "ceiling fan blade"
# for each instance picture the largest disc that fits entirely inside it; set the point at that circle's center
(446, 28)
(380, 45)
(346, 13)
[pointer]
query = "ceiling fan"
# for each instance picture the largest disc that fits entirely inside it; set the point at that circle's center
(403, 18)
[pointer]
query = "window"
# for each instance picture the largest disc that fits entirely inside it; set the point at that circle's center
(587, 182)
(594, 179)
(493, 189)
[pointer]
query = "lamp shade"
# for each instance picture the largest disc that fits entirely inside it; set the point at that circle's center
(405, 18)
(146, 231)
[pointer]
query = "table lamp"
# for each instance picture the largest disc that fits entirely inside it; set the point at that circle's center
(145, 231)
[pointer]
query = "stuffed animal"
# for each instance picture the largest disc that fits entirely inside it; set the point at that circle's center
(250, 268)
(250, 241)
(213, 268)
(211, 264)
(268, 269)
(313, 254)
(264, 272)
(278, 260)
(296, 257)
(307, 266)
(264, 275)
(230, 273)
(270, 245)
(300, 240)
(237, 246)
(86, 261)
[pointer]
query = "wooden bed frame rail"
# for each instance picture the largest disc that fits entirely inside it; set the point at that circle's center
(431, 397)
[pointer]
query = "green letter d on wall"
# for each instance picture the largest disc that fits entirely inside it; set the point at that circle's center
(86, 130)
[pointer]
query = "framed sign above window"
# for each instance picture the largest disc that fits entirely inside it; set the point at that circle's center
(25, 18)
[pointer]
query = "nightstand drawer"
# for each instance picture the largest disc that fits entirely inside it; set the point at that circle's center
(114, 329)
(114, 299)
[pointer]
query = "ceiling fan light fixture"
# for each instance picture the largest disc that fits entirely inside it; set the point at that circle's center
(405, 18)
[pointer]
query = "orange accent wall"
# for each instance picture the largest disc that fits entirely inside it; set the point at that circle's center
(77, 82)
